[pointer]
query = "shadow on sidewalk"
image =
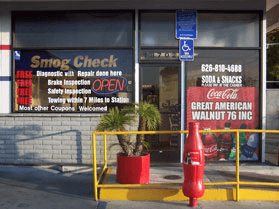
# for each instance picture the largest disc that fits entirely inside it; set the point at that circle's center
(48, 180)
(252, 177)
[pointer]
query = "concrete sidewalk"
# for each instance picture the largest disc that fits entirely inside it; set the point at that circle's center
(45, 187)
(180, 205)
(214, 172)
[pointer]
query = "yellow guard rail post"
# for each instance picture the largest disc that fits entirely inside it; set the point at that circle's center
(237, 165)
(97, 180)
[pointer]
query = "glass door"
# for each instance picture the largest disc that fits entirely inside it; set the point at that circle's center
(160, 85)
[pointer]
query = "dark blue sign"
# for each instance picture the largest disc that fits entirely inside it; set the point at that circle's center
(186, 49)
(186, 24)
(73, 80)
(112, 62)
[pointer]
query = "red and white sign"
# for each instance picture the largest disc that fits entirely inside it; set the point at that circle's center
(212, 107)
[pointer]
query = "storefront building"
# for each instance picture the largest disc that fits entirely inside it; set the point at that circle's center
(65, 63)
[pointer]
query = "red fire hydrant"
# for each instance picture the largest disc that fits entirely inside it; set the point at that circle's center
(193, 165)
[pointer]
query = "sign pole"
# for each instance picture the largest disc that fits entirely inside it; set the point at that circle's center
(182, 114)
(185, 31)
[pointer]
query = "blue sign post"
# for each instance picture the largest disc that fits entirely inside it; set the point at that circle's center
(186, 24)
(186, 49)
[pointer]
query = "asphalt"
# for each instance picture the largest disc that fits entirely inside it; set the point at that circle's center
(50, 187)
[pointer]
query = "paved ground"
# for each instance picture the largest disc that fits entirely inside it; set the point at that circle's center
(44, 188)
(181, 205)
(214, 172)
(47, 188)
(272, 148)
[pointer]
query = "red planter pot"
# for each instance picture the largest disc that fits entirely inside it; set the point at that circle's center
(133, 169)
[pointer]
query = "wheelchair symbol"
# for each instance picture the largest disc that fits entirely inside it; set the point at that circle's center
(185, 47)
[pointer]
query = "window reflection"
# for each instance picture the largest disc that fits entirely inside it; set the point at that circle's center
(160, 87)
(248, 59)
(214, 30)
(75, 29)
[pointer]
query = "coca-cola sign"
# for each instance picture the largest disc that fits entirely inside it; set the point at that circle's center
(216, 107)
(210, 149)
(225, 94)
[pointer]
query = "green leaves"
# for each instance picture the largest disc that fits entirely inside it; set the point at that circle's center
(273, 63)
(114, 120)
(150, 114)
(273, 55)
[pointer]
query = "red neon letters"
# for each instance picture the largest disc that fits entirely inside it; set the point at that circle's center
(109, 85)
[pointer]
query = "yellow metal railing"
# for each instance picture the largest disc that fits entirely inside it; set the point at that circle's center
(237, 182)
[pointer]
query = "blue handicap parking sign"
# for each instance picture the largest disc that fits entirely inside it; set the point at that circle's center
(186, 49)
(186, 24)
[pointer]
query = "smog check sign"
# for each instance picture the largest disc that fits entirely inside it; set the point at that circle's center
(186, 49)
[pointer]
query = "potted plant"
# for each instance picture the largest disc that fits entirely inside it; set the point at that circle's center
(133, 163)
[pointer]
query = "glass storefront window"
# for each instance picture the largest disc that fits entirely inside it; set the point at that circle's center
(223, 93)
(72, 80)
(272, 55)
(157, 29)
(160, 86)
(72, 61)
(222, 84)
(214, 30)
(209, 65)
(72, 29)
(228, 30)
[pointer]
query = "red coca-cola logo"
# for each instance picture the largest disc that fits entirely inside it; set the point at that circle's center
(210, 149)
(226, 94)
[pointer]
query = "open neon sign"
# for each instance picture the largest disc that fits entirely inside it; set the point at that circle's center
(109, 85)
